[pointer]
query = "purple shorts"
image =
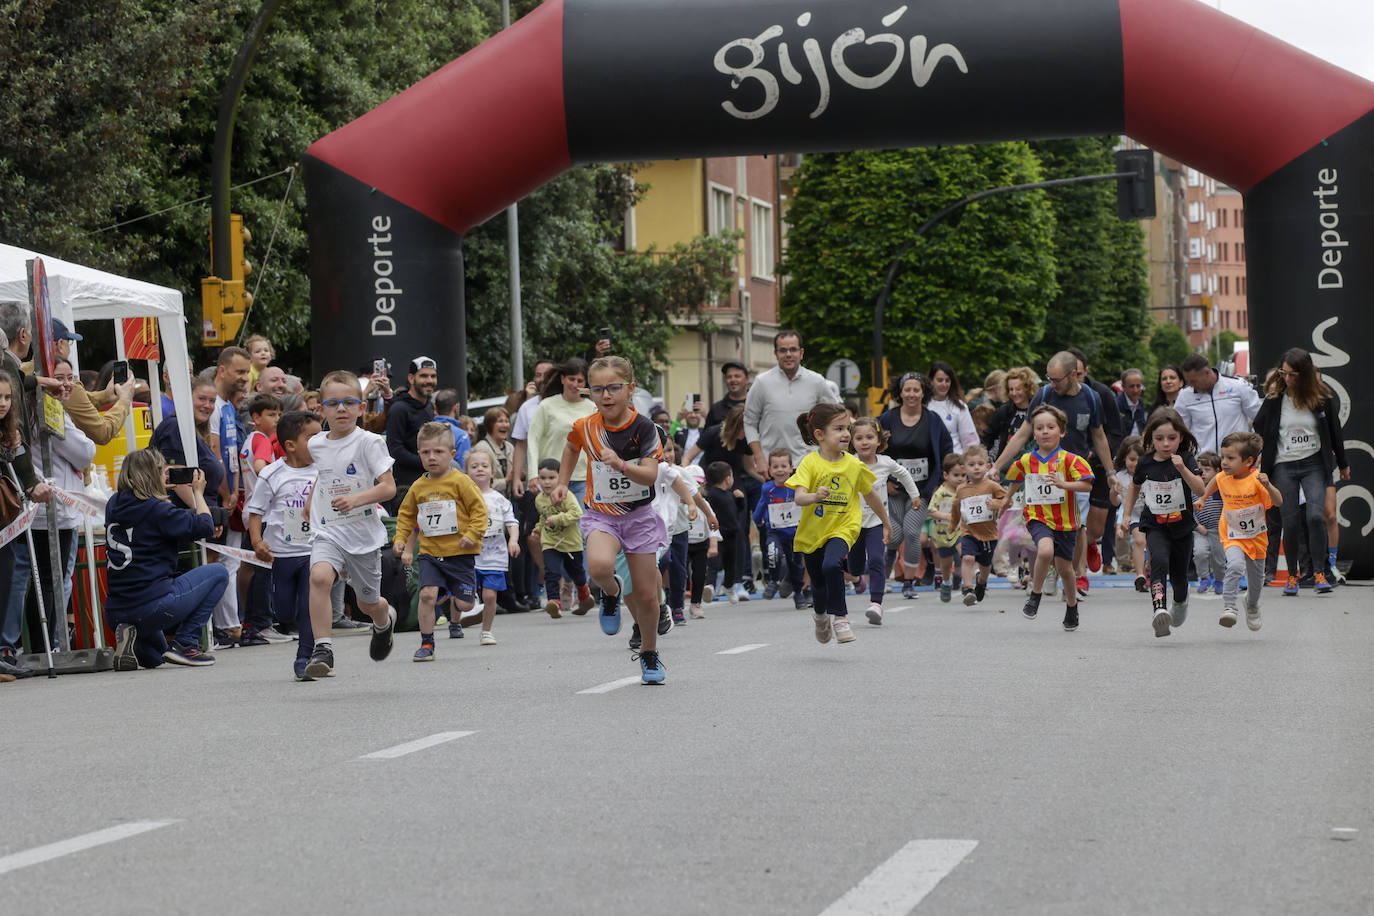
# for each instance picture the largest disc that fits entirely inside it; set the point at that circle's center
(641, 531)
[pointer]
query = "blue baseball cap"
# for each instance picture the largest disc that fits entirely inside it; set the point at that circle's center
(60, 331)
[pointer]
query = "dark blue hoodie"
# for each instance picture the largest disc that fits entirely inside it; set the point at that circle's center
(142, 538)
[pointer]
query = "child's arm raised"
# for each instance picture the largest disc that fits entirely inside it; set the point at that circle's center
(1206, 492)
(806, 498)
(1195, 483)
(1274, 493)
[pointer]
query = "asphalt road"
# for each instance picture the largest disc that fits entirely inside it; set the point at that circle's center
(1101, 771)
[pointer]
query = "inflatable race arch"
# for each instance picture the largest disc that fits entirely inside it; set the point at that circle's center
(576, 81)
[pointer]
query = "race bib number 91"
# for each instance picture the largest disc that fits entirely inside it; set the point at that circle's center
(1244, 524)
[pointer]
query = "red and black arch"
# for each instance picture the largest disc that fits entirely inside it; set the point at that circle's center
(600, 80)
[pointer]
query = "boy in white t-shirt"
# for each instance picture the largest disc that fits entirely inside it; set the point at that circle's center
(255, 454)
(279, 530)
(354, 474)
(500, 543)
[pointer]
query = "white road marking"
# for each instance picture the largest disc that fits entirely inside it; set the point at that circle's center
(612, 685)
(740, 650)
(899, 884)
(77, 844)
(410, 747)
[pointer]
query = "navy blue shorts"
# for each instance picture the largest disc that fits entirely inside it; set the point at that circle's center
(458, 575)
(945, 551)
(1064, 541)
(494, 579)
(981, 551)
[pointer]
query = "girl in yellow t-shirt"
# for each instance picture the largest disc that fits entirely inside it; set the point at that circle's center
(829, 484)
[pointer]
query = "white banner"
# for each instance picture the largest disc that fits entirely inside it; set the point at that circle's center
(19, 525)
(237, 553)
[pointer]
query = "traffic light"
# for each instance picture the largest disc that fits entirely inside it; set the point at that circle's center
(224, 303)
(877, 394)
(1135, 194)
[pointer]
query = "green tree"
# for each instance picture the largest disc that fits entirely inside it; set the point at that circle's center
(973, 291)
(1168, 344)
(111, 116)
(1100, 261)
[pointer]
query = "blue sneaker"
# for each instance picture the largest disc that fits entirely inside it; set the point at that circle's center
(1290, 585)
(610, 609)
(299, 667)
(1217, 585)
(908, 589)
(650, 667)
(1203, 584)
(425, 653)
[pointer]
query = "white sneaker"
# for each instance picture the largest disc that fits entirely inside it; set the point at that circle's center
(487, 638)
(708, 594)
(1161, 623)
(843, 632)
(823, 629)
(1179, 613)
(732, 595)
(694, 611)
(1252, 618)
(1228, 617)
(875, 614)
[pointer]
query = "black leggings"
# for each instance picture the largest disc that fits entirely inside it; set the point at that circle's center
(696, 563)
(1171, 549)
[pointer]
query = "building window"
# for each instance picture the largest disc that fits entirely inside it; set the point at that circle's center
(1195, 211)
(1240, 251)
(721, 216)
(1194, 178)
(1223, 219)
(1195, 284)
(1197, 319)
(761, 252)
(1225, 246)
(1195, 247)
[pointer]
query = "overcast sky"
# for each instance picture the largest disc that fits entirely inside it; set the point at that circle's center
(1341, 31)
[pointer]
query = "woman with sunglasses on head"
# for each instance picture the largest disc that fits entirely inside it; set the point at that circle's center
(919, 442)
(561, 404)
(1303, 448)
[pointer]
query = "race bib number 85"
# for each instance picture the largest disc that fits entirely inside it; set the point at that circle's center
(610, 486)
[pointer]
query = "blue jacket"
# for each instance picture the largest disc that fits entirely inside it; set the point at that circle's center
(461, 441)
(772, 493)
(941, 444)
(142, 539)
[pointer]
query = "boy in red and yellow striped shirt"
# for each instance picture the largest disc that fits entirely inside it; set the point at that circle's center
(1051, 476)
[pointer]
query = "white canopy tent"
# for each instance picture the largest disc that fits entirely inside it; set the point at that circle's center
(82, 293)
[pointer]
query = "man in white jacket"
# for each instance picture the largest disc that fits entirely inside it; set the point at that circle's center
(1213, 405)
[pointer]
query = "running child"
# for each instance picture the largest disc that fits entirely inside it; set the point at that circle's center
(977, 503)
(561, 540)
(703, 536)
(720, 493)
(256, 453)
(1246, 495)
(353, 474)
(675, 496)
(944, 536)
(279, 528)
(1208, 555)
(500, 542)
(867, 439)
(1052, 478)
(1127, 460)
(1166, 513)
(446, 511)
(829, 484)
(623, 451)
(776, 515)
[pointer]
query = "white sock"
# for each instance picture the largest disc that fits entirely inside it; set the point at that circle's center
(327, 642)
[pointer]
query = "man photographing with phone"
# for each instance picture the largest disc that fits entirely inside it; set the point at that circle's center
(410, 409)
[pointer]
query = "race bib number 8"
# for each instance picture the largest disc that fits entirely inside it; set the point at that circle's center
(439, 517)
(295, 525)
(783, 515)
(1041, 490)
(974, 509)
(1244, 524)
(610, 486)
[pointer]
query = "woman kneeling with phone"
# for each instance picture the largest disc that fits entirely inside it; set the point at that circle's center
(143, 535)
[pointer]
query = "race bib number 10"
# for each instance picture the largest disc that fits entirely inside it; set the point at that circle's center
(1041, 490)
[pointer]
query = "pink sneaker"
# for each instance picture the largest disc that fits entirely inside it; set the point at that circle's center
(843, 633)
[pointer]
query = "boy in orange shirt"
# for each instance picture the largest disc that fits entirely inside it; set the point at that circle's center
(1245, 495)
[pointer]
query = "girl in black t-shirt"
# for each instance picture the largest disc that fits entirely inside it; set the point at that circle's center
(1166, 513)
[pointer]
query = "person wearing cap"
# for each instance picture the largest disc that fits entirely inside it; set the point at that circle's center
(409, 410)
(736, 377)
(86, 416)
